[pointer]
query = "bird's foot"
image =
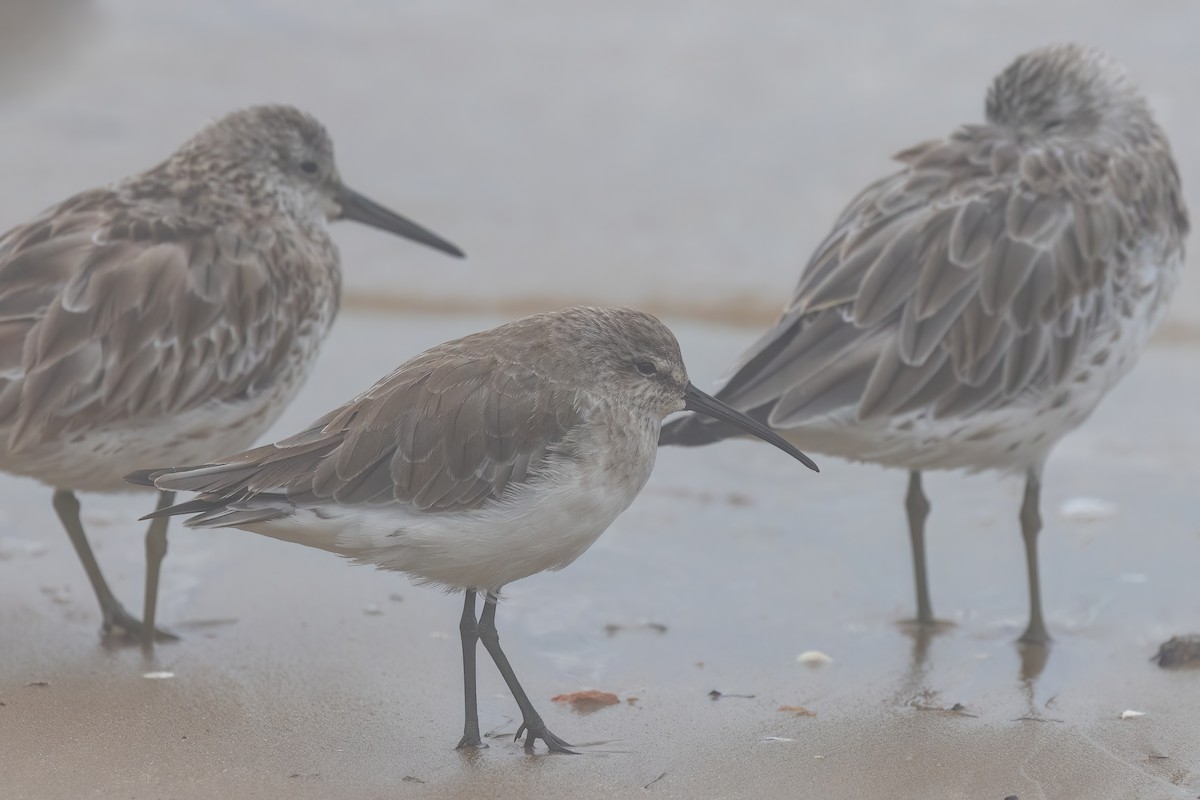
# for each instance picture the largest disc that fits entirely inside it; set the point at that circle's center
(121, 627)
(471, 740)
(536, 729)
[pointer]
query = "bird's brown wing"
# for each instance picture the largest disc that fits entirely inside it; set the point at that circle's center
(971, 276)
(450, 430)
(106, 318)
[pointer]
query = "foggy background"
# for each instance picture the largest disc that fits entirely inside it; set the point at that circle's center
(680, 156)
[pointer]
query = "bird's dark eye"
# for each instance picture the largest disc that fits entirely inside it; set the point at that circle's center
(309, 167)
(646, 368)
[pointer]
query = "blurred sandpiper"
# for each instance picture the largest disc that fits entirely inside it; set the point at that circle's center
(477, 463)
(173, 316)
(970, 309)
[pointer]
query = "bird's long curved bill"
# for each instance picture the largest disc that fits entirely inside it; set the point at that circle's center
(365, 210)
(701, 403)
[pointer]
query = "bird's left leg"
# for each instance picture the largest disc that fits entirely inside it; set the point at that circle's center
(156, 551)
(1031, 524)
(468, 628)
(531, 721)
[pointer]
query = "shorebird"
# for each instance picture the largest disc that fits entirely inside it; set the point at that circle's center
(970, 309)
(172, 316)
(477, 463)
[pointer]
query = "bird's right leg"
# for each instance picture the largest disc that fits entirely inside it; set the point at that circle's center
(156, 550)
(66, 505)
(468, 628)
(531, 721)
(918, 511)
(114, 615)
(1031, 524)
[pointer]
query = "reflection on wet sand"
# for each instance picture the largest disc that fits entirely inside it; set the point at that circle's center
(916, 685)
(1033, 658)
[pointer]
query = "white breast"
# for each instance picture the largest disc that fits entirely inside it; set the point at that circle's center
(543, 526)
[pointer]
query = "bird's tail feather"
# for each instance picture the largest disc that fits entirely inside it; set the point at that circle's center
(222, 512)
(197, 506)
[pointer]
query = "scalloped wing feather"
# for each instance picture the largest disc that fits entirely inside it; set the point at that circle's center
(970, 277)
(113, 329)
(390, 445)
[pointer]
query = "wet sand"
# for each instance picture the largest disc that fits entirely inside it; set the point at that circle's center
(302, 676)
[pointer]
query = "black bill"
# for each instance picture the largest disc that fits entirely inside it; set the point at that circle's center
(367, 211)
(701, 403)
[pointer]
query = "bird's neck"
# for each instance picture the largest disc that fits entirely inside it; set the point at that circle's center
(621, 445)
(212, 195)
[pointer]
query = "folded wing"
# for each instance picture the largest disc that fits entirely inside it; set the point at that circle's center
(969, 278)
(108, 318)
(451, 430)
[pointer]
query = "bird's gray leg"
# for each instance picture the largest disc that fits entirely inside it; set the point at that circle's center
(156, 550)
(66, 505)
(1031, 525)
(468, 628)
(531, 720)
(918, 512)
(114, 615)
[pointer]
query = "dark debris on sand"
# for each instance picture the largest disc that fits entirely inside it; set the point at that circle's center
(1179, 652)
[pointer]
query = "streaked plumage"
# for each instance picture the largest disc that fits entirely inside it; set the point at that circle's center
(174, 315)
(479, 462)
(970, 309)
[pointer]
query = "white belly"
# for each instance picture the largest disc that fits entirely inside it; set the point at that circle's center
(1020, 434)
(97, 460)
(544, 526)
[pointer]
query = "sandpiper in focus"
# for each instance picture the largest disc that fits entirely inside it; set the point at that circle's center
(482, 461)
(969, 310)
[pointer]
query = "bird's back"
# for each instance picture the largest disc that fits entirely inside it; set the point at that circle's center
(132, 328)
(970, 308)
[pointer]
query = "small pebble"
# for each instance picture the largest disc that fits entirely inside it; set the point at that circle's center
(1179, 651)
(799, 711)
(587, 701)
(158, 676)
(1086, 509)
(814, 658)
(1129, 714)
